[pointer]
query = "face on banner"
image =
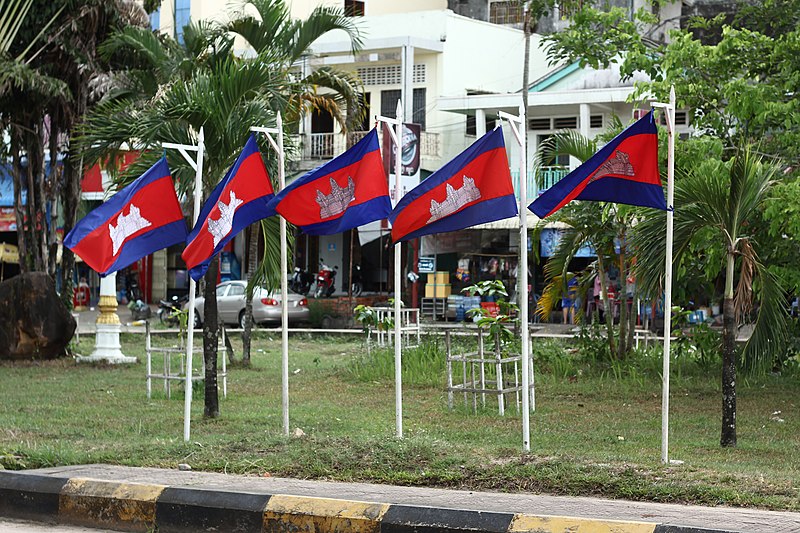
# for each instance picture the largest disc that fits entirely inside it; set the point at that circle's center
(409, 161)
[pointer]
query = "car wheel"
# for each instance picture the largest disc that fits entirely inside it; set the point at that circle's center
(242, 319)
(197, 322)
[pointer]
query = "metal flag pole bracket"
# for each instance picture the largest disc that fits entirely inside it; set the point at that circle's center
(277, 145)
(517, 123)
(669, 109)
(197, 165)
(397, 135)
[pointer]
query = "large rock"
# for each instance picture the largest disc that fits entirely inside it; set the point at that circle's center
(34, 323)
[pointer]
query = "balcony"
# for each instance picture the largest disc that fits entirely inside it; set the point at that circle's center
(321, 146)
(546, 178)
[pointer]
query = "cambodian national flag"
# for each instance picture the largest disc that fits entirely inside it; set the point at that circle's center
(238, 200)
(624, 171)
(473, 188)
(344, 193)
(140, 219)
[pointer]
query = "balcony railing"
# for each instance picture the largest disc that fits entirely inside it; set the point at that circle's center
(546, 178)
(430, 145)
(328, 145)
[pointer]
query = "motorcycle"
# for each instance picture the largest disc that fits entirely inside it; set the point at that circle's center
(356, 286)
(301, 281)
(326, 278)
(169, 310)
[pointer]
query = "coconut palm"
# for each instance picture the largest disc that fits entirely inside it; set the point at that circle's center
(721, 202)
(200, 85)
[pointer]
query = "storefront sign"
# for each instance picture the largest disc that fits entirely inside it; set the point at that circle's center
(426, 265)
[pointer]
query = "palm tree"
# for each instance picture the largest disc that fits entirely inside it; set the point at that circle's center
(267, 27)
(597, 225)
(170, 92)
(721, 202)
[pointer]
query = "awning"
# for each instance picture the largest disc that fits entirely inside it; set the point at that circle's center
(513, 223)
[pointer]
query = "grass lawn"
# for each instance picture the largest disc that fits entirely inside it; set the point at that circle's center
(596, 430)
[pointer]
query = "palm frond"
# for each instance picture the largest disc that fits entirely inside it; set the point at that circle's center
(771, 328)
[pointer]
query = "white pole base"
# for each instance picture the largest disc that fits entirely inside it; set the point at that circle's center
(107, 347)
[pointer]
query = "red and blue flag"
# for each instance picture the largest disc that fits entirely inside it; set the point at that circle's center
(624, 171)
(473, 188)
(344, 193)
(238, 200)
(140, 219)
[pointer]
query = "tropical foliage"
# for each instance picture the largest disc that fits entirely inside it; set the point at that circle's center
(162, 91)
(720, 203)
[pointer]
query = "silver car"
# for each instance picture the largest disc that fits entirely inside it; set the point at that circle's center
(266, 306)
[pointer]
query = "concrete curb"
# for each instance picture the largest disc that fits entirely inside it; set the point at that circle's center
(148, 507)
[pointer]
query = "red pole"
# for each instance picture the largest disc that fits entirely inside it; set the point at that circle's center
(415, 286)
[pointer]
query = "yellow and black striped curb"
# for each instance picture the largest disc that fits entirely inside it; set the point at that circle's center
(151, 507)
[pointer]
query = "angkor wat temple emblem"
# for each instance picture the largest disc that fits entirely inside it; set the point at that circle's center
(455, 199)
(221, 227)
(336, 202)
(619, 165)
(126, 226)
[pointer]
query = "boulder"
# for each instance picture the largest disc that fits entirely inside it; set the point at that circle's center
(34, 323)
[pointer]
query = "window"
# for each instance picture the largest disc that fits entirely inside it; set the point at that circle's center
(681, 118)
(389, 74)
(560, 160)
(183, 13)
(505, 13)
(472, 124)
(596, 121)
(389, 105)
(418, 113)
(236, 290)
(353, 8)
(221, 290)
(155, 20)
(565, 123)
(539, 124)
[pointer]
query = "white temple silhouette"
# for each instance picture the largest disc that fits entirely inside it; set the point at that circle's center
(221, 227)
(618, 165)
(126, 226)
(455, 199)
(337, 201)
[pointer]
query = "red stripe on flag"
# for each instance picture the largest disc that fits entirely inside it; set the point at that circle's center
(300, 206)
(156, 202)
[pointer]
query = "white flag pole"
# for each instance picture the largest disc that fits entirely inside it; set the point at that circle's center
(278, 147)
(398, 349)
(517, 124)
(397, 137)
(184, 149)
(670, 110)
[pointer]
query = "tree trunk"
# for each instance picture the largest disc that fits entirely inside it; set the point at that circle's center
(51, 187)
(70, 197)
(623, 308)
(248, 328)
(20, 209)
(608, 312)
(728, 436)
(211, 406)
(252, 251)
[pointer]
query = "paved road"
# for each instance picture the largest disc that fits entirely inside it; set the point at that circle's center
(8, 525)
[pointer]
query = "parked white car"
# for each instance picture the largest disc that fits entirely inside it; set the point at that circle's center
(266, 306)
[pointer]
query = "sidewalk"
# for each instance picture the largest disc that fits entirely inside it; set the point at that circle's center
(142, 499)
